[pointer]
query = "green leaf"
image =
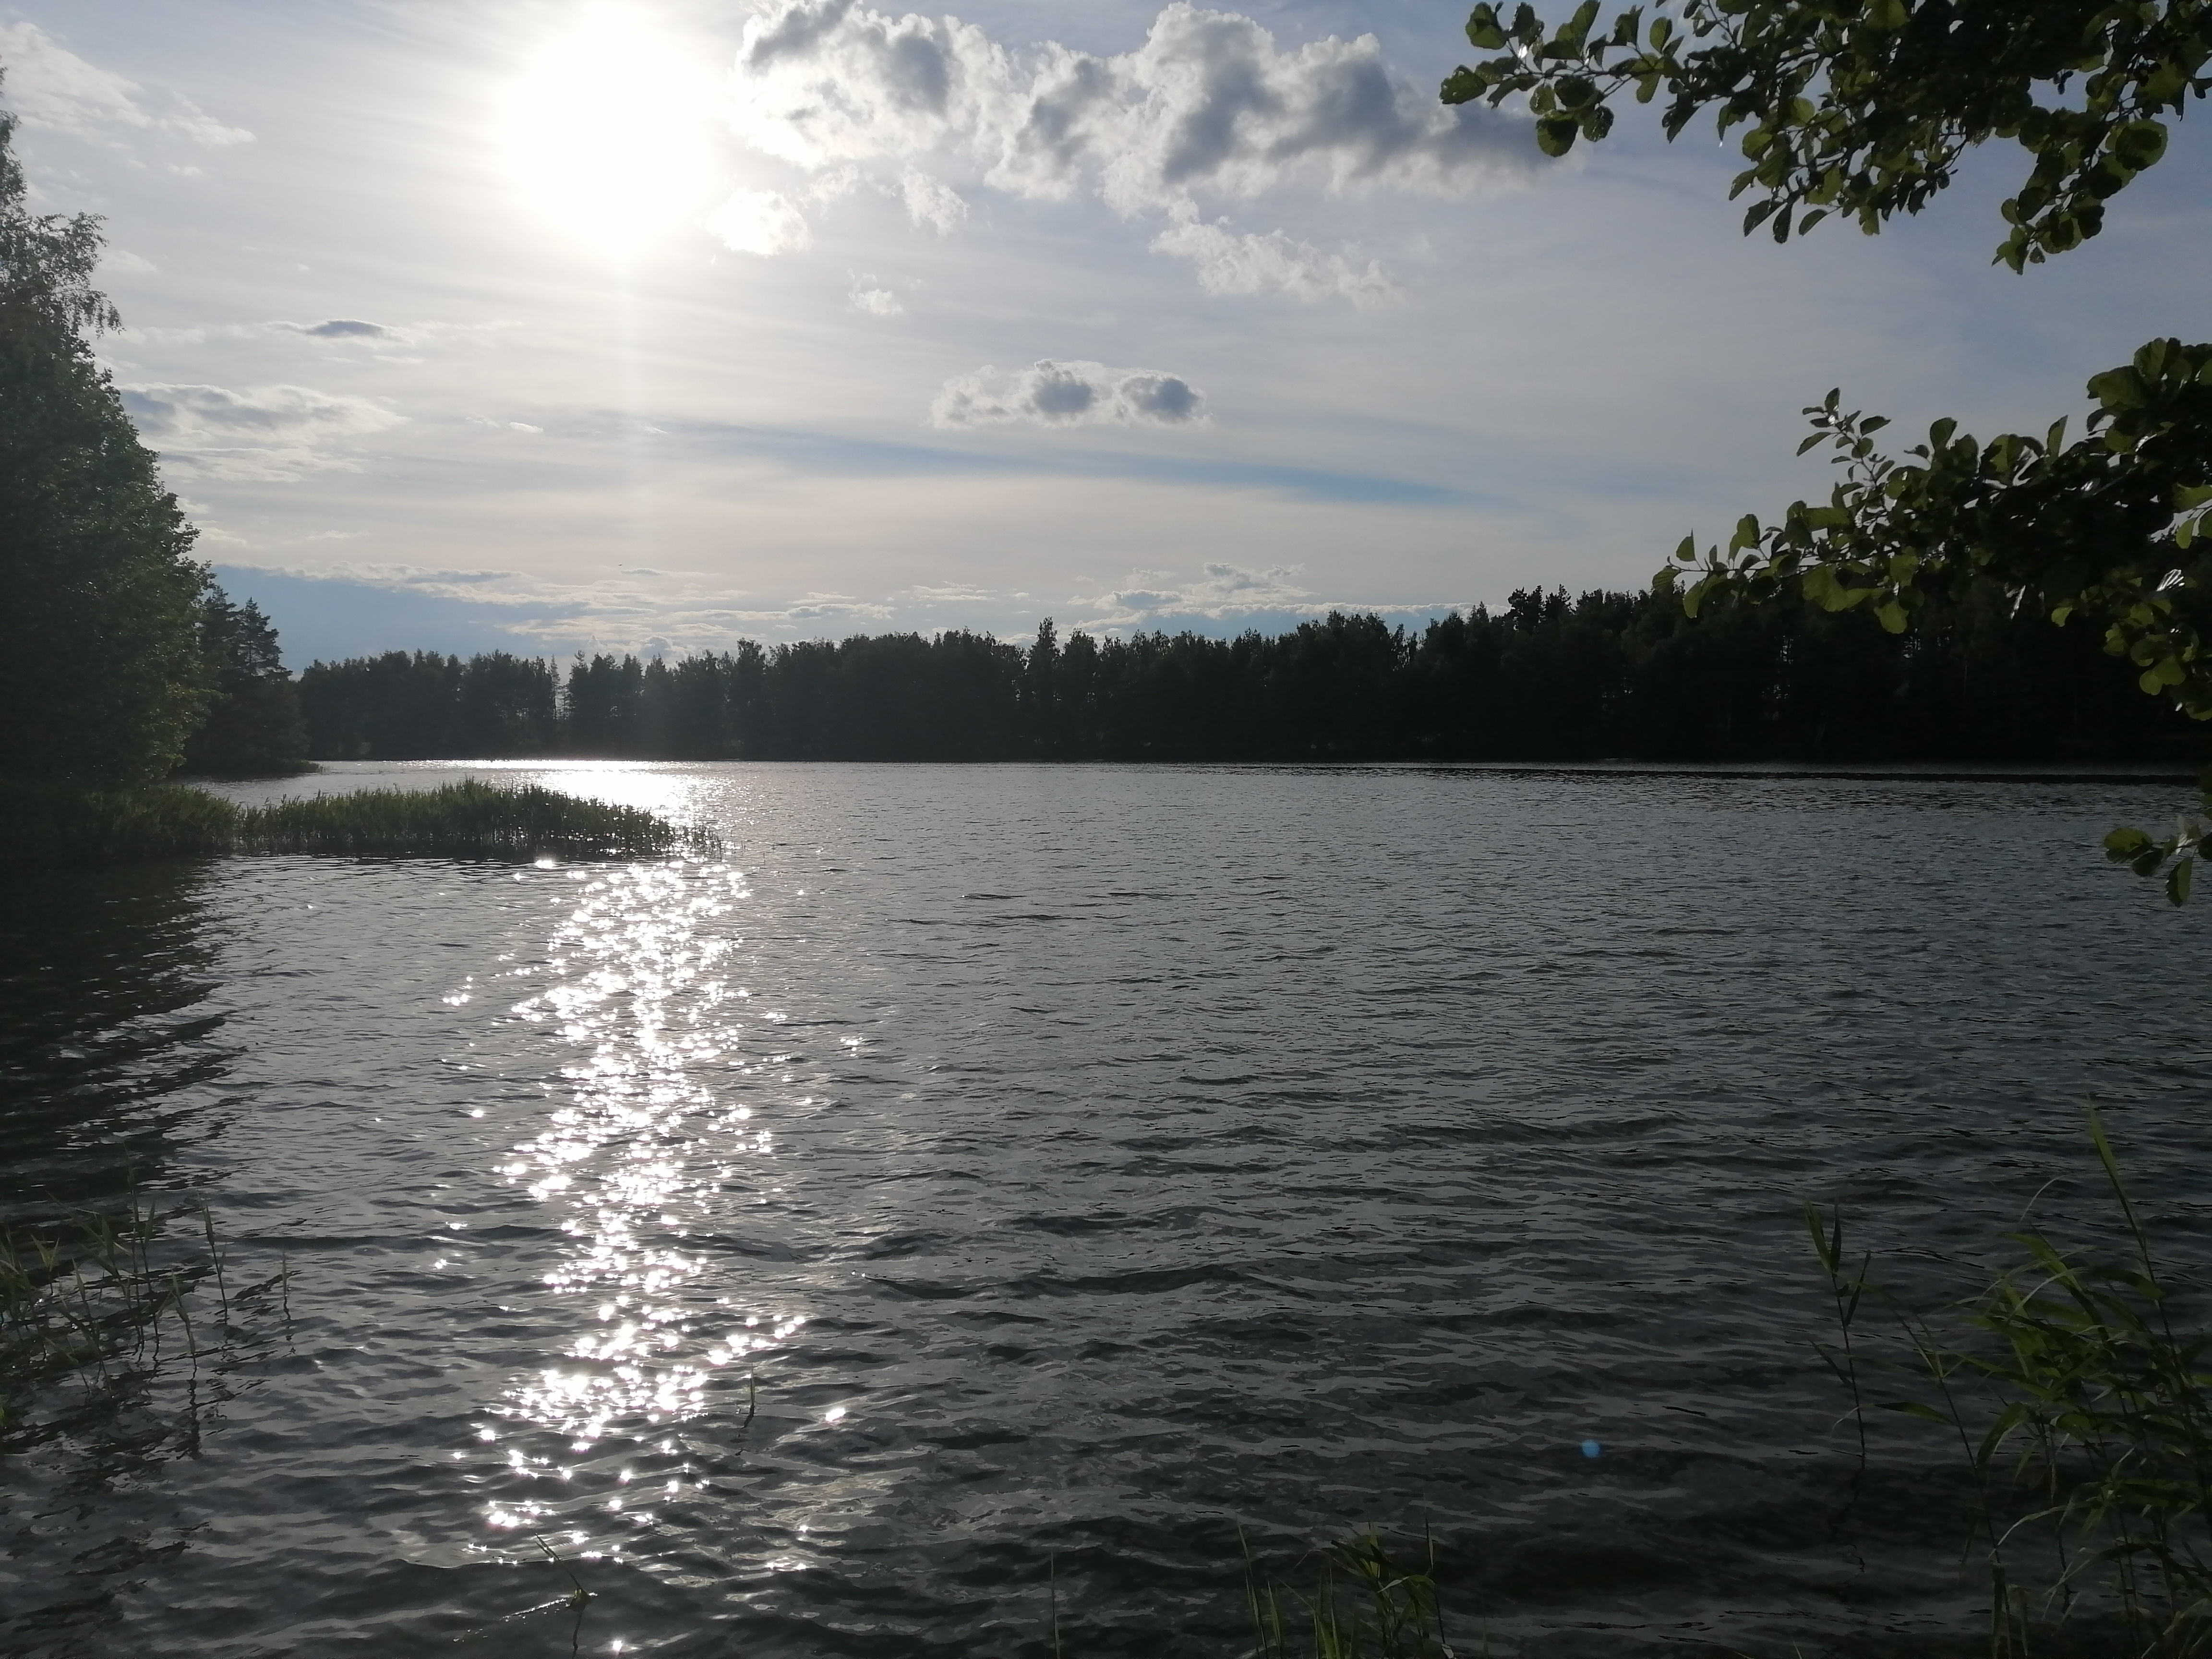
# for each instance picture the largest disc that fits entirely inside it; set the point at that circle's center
(2177, 882)
(1891, 615)
(1915, 1409)
(1686, 551)
(1484, 30)
(1886, 15)
(2125, 843)
(2139, 144)
(1556, 136)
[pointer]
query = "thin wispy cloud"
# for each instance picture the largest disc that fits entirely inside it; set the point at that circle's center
(1248, 262)
(759, 221)
(268, 434)
(51, 88)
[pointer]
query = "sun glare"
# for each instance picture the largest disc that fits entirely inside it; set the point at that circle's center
(606, 131)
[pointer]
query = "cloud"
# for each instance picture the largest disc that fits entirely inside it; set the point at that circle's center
(339, 328)
(1222, 590)
(1208, 105)
(873, 297)
(932, 204)
(759, 221)
(270, 434)
(1072, 393)
(52, 88)
(386, 341)
(1232, 263)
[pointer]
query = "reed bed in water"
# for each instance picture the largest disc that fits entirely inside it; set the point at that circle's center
(43, 825)
(459, 820)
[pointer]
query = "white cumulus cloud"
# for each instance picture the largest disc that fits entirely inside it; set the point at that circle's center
(873, 298)
(1209, 107)
(759, 221)
(270, 433)
(1208, 104)
(1071, 393)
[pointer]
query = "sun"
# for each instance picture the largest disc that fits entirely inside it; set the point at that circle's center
(606, 132)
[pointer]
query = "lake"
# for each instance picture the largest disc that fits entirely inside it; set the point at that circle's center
(981, 1188)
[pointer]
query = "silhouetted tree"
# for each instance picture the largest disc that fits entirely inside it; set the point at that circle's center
(102, 675)
(1550, 676)
(254, 727)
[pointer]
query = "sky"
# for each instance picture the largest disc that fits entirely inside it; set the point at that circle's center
(554, 324)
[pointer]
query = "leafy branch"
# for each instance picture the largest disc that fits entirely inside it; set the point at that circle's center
(1863, 108)
(2101, 528)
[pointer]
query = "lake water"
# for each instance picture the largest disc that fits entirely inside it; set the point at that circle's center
(981, 1186)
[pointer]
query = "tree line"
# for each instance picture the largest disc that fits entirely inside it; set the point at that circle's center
(1548, 676)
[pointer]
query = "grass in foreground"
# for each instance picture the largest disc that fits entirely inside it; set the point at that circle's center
(1362, 1605)
(2082, 1408)
(120, 1336)
(43, 825)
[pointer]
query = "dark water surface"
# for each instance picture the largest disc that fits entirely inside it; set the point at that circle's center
(980, 1168)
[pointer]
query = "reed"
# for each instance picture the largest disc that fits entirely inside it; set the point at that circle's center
(116, 1330)
(2083, 1411)
(1361, 1604)
(465, 820)
(45, 825)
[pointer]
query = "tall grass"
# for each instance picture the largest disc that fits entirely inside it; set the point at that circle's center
(43, 825)
(46, 824)
(2083, 1411)
(1361, 1604)
(459, 820)
(119, 1334)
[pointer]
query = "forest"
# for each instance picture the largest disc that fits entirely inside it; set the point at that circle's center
(1547, 677)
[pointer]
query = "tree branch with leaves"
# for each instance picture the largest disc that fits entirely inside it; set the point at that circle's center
(1864, 108)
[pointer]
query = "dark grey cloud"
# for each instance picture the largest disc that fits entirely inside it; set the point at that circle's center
(1068, 393)
(341, 328)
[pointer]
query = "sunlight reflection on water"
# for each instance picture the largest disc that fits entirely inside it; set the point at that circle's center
(644, 1159)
